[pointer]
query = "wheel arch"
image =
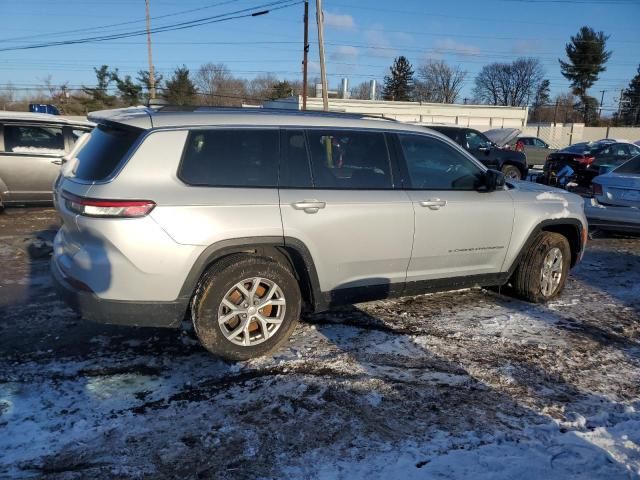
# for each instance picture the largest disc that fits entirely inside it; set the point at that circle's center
(291, 251)
(570, 228)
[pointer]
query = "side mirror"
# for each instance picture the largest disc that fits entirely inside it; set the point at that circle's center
(492, 180)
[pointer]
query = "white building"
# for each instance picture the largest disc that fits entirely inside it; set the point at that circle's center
(482, 117)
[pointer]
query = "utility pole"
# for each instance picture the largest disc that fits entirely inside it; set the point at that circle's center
(555, 114)
(620, 103)
(306, 55)
(152, 76)
(601, 101)
(323, 70)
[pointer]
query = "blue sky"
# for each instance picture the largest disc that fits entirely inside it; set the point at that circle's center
(362, 37)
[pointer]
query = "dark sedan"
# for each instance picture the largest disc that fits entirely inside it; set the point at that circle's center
(582, 162)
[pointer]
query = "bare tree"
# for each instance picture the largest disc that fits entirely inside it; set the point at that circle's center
(511, 84)
(218, 86)
(362, 91)
(439, 82)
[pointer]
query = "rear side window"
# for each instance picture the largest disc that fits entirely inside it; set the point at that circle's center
(231, 158)
(349, 159)
(100, 156)
(34, 139)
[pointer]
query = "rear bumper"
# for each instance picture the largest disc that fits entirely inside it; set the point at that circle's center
(139, 314)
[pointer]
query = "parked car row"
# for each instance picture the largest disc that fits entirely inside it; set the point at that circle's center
(582, 162)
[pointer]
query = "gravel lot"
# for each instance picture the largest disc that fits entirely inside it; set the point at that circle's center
(467, 384)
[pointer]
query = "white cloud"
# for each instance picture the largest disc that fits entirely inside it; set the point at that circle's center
(339, 21)
(448, 45)
(345, 52)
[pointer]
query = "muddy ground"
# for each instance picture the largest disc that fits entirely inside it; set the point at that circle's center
(468, 384)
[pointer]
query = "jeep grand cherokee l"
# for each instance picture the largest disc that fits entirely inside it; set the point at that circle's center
(243, 218)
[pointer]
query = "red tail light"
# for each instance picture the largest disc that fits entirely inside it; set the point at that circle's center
(586, 159)
(91, 207)
(596, 188)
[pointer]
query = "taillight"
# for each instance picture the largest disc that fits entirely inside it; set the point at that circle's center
(586, 159)
(596, 188)
(92, 207)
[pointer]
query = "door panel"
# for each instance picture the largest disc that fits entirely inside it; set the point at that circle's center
(358, 238)
(458, 230)
(29, 178)
(31, 161)
(358, 229)
(468, 235)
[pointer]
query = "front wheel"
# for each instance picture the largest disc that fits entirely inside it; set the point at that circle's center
(511, 172)
(245, 307)
(544, 268)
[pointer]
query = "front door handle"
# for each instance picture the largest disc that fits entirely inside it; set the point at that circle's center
(309, 206)
(433, 204)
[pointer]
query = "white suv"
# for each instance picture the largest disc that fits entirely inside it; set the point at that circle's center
(241, 218)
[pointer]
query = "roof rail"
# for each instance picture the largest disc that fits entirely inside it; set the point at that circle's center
(262, 110)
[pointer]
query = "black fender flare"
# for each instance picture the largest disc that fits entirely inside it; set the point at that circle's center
(292, 250)
(552, 225)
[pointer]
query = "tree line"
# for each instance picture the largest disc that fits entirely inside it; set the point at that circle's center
(521, 82)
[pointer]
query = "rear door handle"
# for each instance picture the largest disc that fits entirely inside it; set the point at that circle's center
(57, 162)
(433, 204)
(309, 206)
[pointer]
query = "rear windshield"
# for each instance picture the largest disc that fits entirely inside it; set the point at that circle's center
(101, 155)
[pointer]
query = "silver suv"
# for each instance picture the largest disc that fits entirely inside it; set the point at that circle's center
(243, 218)
(32, 147)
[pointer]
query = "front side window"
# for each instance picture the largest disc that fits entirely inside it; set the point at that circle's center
(434, 165)
(231, 158)
(349, 159)
(32, 139)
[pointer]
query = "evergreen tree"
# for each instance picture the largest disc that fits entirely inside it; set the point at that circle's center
(630, 102)
(143, 79)
(399, 85)
(98, 97)
(130, 93)
(281, 90)
(586, 54)
(180, 89)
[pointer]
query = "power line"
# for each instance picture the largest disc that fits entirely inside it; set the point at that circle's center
(243, 13)
(101, 27)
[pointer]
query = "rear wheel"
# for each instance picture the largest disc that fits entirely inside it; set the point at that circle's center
(246, 307)
(543, 271)
(511, 172)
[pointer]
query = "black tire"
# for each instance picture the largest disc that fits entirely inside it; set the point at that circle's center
(527, 279)
(511, 171)
(218, 282)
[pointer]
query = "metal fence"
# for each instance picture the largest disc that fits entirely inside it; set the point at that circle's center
(560, 136)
